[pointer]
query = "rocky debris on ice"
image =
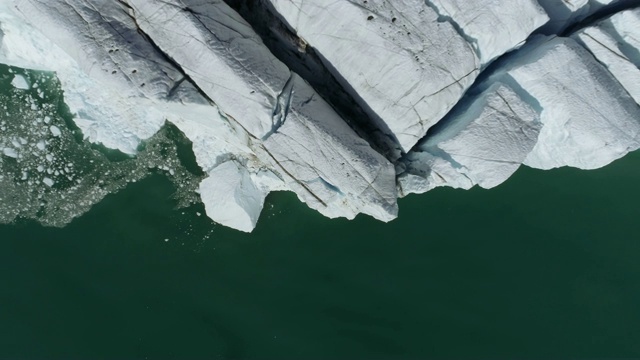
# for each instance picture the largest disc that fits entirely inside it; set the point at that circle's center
(615, 42)
(410, 61)
(482, 144)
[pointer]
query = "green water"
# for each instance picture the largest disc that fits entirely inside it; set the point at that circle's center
(545, 265)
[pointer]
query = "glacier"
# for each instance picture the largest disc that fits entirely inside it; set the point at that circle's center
(348, 104)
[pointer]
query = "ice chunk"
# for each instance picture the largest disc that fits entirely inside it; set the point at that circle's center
(48, 181)
(20, 82)
(231, 198)
(233, 67)
(482, 143)
(10, 152)
(55, 131)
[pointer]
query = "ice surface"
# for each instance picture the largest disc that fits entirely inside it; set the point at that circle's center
(20, 82)
(410, 61)
(483, 143)
(493, 27)
(589, 118)
(53, 179)
(231, 198)
(615, 42)
(120, 89)
(10, 152)
(565, 13)
(408, 67)
(283, 114)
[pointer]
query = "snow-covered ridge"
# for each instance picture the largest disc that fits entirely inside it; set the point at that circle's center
(412, 67)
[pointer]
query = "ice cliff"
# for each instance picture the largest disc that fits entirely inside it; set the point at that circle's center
(349, 104)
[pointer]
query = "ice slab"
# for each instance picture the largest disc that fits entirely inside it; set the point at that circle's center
(481, 143)
(231, 198)
(589, 118)
(20, 82)
(615, 42)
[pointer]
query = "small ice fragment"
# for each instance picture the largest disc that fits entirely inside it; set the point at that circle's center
(47, 181)
(10, 153)
(47, 119)
(55, 131)
(40, 145)
(20, 82)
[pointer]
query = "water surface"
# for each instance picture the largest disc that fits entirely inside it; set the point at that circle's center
(544, 265)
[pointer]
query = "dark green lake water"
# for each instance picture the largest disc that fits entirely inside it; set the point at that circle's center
(546, 265)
